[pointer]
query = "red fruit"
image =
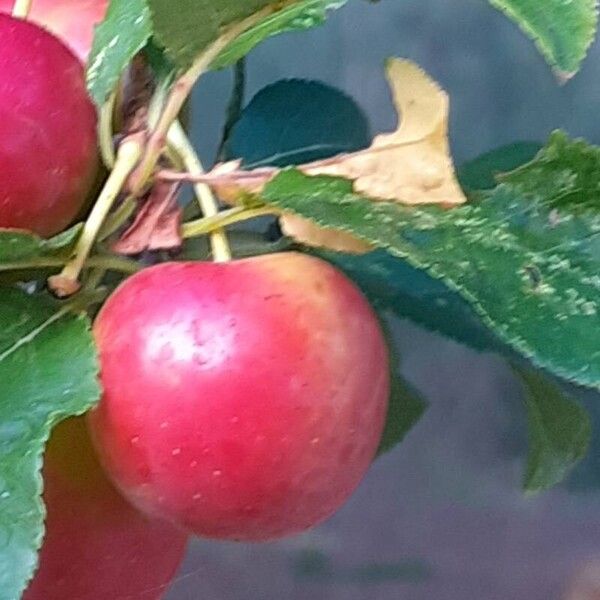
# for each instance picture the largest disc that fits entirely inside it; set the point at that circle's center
(73, 21)
(242, 400)
(97, 546)
(47, 130)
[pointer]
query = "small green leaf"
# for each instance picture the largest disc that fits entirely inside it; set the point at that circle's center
(406, 409)
(482, 172)
(187, 27)
(297, 17)
(48, 372)
(406, 404)
(526, 257)
(24, 248)
(123, 33)
(562, 29)
(293, 122)
(559, 431)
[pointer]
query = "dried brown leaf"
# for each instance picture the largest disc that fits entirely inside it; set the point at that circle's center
(157, 225)
(306, 232)
(413, 164)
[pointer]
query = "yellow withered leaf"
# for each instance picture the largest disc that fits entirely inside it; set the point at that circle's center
(413, 164)
(308, 233)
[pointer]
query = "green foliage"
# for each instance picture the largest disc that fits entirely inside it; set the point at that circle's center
(406, 409)
(406, 404)
(563, 30)
(47, 373)
(293, 122)
(526, 259)
(394, 285)
(482, 172)
(24, 250)
(559, 431)
(118, 39)
(299, 16)
(187, 27)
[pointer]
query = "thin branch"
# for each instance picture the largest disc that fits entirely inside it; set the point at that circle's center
(225, 218)
(180, 92)
(216, 177)
(105, 131)
(128, 155)
(208, 203)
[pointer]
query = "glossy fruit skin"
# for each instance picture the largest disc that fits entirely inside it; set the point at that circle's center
(48, 155)
(243, 400)
(97, 545)
(72, 21)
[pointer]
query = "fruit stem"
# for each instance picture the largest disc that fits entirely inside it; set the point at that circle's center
(179, 94)
(105, 131)
(128, 156)
(179, 141)
(221, 176)
(223, 219)
(21, 9)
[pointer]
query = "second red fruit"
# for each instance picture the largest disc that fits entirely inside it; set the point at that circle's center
(96, 545)
(73, 21)
(47, 130)
(243, 400)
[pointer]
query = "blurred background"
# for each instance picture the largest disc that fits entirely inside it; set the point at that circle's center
(442, 517)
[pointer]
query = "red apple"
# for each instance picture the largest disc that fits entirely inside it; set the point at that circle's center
(47, 130)
(242, 400)
(73, 21)
(97, 546)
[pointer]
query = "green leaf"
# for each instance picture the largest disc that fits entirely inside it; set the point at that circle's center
(566, 173)
(563, 30)
(406, 404)
(482, 172)
(526, 260)
(393, 284)
(187, 27)
(297, 17)
(22, 248)
(123, 33)
(559, 431)
(293, 122)
(47, 372)
(406, 409)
